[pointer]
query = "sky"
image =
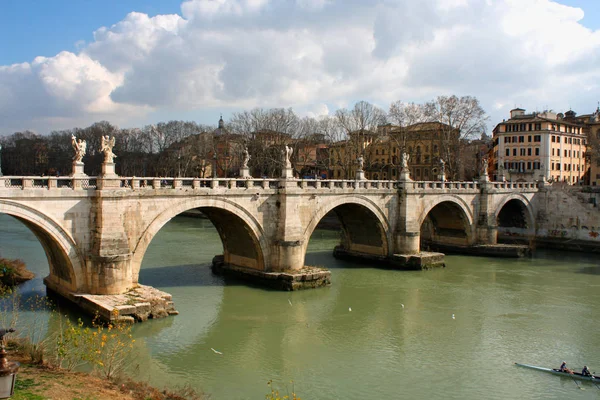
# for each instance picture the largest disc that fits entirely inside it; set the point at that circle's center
(66, 64)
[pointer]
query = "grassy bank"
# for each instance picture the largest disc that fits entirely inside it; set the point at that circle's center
(37, 381)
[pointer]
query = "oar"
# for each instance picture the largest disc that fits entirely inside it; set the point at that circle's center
(577, 383)
(593, 377)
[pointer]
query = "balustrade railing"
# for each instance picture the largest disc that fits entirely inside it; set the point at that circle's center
(144, 183)
(443, 185)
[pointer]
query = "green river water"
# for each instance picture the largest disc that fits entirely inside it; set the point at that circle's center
(355, 340)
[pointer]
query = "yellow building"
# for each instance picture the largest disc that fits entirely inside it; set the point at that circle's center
(591, 127)
(382, 151)
(548, 146)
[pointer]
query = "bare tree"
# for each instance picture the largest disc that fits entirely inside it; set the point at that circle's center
(462, 119)
(265, 132)
(360, 124)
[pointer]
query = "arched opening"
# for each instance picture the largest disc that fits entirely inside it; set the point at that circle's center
(352, 230)
(195, 236)
(63, 259)
(444, 226)
(513, 220)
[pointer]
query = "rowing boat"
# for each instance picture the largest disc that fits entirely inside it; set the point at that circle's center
(575, 375)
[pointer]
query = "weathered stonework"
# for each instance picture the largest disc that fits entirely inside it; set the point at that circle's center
(304, 278)
(96, 231)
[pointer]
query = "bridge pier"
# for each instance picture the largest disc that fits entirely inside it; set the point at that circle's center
(408, 242)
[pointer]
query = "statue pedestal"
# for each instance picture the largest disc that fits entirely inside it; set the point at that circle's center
(78, 170)
(443, 177)
(360, 175)
(108, 170)
(245, 173)
(287, 173)
(484, 178)
(405, 176)
(108, 179)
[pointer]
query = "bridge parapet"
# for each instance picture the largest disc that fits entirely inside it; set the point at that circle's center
(47, 182)
(515, 185)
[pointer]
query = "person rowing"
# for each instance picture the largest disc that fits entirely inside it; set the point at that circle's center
(563, 368)
(585, 371)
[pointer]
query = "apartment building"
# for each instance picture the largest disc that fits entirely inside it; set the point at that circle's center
(536, 146)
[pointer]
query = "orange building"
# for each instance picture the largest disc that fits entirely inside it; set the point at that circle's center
(548, 146)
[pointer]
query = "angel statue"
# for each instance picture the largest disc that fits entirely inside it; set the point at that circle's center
(404, 160)
(107, 145)
(80, 146)
(484, 166)
(287, 155)
(361, 162)
(246, 158)
(442, 166)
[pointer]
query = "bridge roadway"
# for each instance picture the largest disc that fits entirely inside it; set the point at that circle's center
(96, 230)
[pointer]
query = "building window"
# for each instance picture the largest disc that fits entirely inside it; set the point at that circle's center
(552, 166)
(521, 139)
(529, 151)
(530, 125)
(537, 151)
(507, 152)
(538, 126)
(552, 151)
(435, 148)
(514, 152)
(553, 138)
(376, 152)
(522, 152)
(528, 165)
(566, 141)
(537, 138)
(529, 137)
(570, 140)
(565, 153)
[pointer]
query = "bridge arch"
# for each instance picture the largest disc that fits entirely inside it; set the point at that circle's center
(447, 220)
(366, 228)
(64, 259)
(515, 211)
(244, 241)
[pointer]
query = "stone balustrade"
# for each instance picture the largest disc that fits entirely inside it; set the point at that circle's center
(516, 185)
(439, 185)
(142, 183)
(47, 182)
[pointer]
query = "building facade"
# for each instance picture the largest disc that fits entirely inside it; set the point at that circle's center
(382, 151)
(548, 146)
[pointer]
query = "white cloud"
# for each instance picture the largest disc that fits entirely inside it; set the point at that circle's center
(307, 53)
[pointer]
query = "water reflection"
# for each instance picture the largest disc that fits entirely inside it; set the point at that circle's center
(537, 310)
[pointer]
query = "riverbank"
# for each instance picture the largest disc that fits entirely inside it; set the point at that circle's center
(41, 381)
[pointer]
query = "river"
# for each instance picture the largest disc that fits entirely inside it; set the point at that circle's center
(374, 334)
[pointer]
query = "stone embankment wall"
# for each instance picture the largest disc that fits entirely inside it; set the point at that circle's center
(566, 215)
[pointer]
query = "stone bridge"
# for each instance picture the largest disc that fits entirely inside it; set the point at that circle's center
(95, 231)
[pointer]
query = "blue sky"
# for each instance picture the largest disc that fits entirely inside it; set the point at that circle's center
(222, 56)
(30, 28)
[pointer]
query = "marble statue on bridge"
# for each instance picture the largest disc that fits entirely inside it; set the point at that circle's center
(287, 155)
(404, 160)
(246, 158)
(361, 162)
(80, 147)
(106, 147)
(484, 167)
